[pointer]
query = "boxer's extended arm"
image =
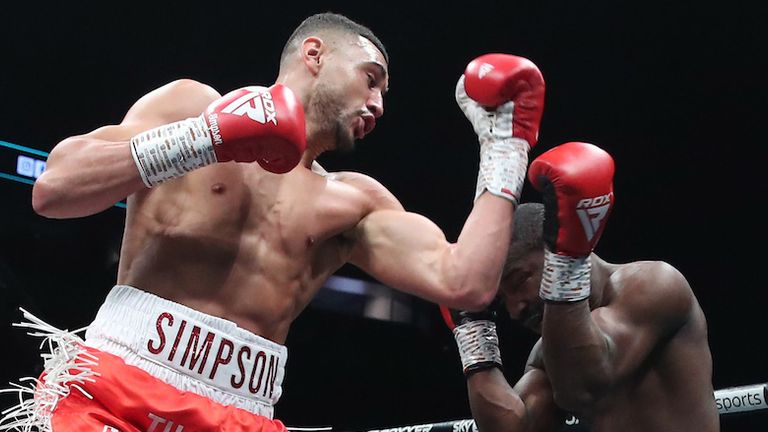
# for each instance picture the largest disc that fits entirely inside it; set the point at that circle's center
(86, 174)
(410, 253)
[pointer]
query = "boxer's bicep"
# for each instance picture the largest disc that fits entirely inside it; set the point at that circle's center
(403, 250)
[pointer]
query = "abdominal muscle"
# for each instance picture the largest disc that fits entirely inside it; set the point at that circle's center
(235, 242)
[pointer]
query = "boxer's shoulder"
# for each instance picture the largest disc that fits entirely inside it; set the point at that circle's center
(645, 278)
(175, 100)
(651, 291)
(373, 193)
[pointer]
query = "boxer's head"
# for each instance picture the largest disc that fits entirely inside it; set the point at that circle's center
(519, 287)
(339, 70)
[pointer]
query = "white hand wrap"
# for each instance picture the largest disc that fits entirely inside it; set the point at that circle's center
(478, 344)
(565, 278)
(172, 150)
(503, 157)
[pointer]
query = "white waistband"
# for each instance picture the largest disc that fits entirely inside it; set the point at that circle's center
(190, 350)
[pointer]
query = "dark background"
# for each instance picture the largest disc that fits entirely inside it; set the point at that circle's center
(675, 91)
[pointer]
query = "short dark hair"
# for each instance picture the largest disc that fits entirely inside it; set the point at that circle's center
(333, 22)
(527, 232)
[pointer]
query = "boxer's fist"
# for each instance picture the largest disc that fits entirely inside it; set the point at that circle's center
(260, 124)
(475, 334)
(503, 97)
(576, 182)
(495, 79)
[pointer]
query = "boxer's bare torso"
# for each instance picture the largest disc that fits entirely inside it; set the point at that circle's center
(234, 241)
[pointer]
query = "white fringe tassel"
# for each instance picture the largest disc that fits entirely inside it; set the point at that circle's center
(66, 365)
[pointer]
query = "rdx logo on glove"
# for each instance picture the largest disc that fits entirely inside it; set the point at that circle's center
(596, 201)
(258, 106)
(592, 212)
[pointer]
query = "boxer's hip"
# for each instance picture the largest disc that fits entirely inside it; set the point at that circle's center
(189, 350)
(125, 398)
(149, 364)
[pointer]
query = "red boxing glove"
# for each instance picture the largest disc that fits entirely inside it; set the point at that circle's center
(494, 79)
(576, 181)
(503, 97)
(259, 124)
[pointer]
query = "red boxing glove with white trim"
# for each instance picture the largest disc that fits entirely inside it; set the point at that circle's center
(502, 95)
(261, 124)
(576, 181)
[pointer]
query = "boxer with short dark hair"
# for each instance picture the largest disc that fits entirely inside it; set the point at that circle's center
(623, 347)
(218, 258)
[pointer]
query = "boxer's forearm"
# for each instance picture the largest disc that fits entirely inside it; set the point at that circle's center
(479, 254)
(85, 175)
(495, 406)
(576, 354)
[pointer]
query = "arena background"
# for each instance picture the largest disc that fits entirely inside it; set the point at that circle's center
(675, 91)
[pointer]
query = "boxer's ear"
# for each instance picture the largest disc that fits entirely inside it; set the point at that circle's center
(313, 51)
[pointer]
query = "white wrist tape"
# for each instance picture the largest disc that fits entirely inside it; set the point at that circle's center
(478, 343)
(565, 278)
(172, 150)
(502, 168)
(503, 157)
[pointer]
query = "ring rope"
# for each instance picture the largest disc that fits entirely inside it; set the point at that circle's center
(729, 400)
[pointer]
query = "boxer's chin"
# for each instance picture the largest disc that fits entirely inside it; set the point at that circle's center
(345, 139)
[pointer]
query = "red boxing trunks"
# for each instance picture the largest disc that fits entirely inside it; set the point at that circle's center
(149, 364)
